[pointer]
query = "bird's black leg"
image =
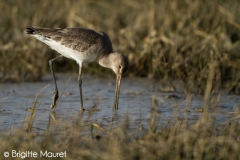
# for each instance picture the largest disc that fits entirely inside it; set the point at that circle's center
(80, 88)
(55, 92)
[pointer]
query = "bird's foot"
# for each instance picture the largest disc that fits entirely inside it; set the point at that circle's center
(82, 110)
(94, 108)
(89, 110)
(54, 98)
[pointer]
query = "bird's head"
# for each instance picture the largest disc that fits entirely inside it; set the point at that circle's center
(119, 64)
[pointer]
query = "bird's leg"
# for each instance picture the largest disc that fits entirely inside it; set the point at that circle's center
(55, 92)
(80, 88)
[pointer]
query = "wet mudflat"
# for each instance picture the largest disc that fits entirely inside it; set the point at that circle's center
(137, 98)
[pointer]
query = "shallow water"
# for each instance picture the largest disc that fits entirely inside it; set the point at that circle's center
(137, 97)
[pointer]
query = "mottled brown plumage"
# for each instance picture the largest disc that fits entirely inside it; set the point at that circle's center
(80, 39)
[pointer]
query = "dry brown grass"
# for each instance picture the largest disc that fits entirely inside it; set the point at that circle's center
(194, 41)
(179, 138)
(163, 39)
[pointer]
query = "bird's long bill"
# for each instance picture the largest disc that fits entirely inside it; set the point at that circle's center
(118, 83)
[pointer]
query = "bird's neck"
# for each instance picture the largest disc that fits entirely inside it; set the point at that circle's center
(105, 61)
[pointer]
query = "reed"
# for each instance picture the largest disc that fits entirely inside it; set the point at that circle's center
(162, 39)
(179, 138)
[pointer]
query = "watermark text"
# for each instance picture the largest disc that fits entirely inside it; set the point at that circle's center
(34, 154)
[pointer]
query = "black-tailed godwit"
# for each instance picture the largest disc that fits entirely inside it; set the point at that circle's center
(81, 45)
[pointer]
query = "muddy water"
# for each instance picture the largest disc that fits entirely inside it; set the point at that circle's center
(137, 96)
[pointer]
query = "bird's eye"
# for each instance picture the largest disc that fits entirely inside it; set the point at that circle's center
(119, 66)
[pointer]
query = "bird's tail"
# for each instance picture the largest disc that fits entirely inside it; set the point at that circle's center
(30, 30)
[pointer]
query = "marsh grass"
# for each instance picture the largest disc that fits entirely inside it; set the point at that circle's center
(196, 42)
(162, 39)
(178, 138)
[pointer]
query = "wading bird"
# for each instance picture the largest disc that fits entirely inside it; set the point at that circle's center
(81, 45)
